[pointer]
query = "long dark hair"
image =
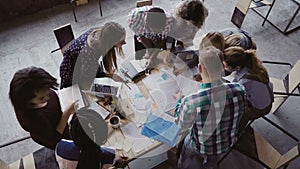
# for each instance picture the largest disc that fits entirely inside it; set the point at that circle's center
(237, 56)
(25, 83)
(86, 133)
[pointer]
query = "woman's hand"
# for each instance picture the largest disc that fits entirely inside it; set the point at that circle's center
(117, 78)
(72, 108)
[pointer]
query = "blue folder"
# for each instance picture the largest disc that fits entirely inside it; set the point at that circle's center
(161, 130)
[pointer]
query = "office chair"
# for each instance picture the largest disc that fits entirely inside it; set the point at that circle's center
(74, 4)
(64, 36)
(283, 88)
(256, 147)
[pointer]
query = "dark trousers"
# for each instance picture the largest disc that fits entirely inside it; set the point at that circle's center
(139, 49)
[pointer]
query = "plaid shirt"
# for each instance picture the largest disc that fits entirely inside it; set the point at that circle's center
(137, 23)
(213, 114)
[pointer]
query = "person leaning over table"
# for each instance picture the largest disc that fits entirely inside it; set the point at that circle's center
(37, 106)
(93, 54)
(159, 33)
(151, 26)
(188, 18)
(84, 152)
(210, 116)
(249, 72)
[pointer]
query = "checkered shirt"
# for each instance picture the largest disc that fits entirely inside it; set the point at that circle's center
(212, 114)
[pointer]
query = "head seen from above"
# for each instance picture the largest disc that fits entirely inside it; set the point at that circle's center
(156, 20)
(30, 87)
(193, 11)
(210, 65)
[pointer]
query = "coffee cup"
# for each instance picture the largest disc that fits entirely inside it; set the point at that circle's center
(115, 121)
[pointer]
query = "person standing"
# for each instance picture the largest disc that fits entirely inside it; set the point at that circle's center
(209, 117)
(93, 54)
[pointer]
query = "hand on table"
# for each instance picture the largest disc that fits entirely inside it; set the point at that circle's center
(117, 78)
(165, 56)
(178, 95)
(72, 107)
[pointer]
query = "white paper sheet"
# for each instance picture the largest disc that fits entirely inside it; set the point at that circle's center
(99, 109)
(68, 95)
(139, 142)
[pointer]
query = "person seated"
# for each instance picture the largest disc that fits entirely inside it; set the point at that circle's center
(238, 37)
(209, 118)
(37, 106)
(85, 151)
(249, 72)
(93, 54)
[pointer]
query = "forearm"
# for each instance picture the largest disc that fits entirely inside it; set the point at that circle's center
(63, 122)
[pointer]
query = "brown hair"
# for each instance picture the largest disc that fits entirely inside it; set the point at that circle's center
(237, 56)
(103, 41)
(194, 11)
(236, 39)
(215, 39)
(25, 83)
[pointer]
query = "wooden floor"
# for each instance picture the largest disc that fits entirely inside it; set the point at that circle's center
(28, 40)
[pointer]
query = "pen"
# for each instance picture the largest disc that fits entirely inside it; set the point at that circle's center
(127, 85)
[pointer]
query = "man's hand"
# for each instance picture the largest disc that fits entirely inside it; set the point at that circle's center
(165, 56)
(178, 95)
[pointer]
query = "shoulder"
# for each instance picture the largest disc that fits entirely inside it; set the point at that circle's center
(235, 87)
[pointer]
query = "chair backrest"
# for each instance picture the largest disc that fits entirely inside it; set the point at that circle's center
(269, 156)
(27, 162)
(64, 35)
(143, 3)
(294, 78)
(3, 165)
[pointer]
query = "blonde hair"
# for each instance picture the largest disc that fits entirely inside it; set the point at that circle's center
(215, 39)
(209, 57)
(236, 56)
(103, 41)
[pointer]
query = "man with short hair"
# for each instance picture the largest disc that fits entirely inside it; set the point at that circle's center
(151, 26)
(209, 116)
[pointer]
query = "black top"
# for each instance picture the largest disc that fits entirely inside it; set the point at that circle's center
(41, 123)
